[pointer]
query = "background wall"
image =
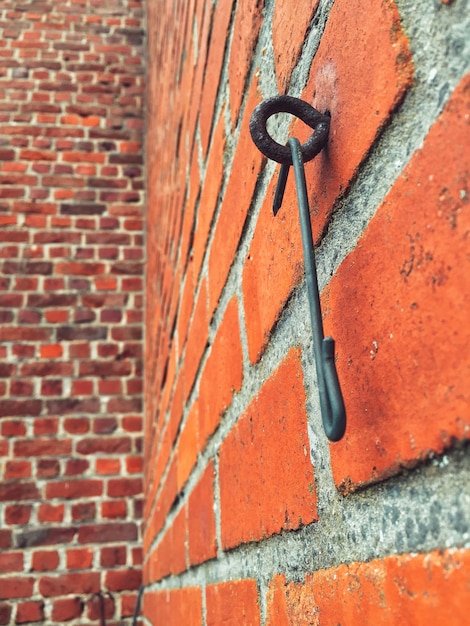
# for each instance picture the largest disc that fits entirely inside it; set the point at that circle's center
(71, 253)
(251, 516)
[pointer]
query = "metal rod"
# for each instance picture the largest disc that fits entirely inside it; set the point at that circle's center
(331, 399)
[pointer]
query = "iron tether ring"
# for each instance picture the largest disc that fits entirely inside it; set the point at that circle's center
(287, 104)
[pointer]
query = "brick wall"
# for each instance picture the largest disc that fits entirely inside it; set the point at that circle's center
(251, 515)
(71, 259)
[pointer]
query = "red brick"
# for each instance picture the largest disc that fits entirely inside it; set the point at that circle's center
(65, 584)
(125, 579)
(233, 603)
(65, 609)
(13, 491)
(134, 464)
(254, 503)
(72, 489)
(42, 447)
(47, 468)
(235, 204)
(29, 612)
(124, 487)
(16, 587)
(421, 258)
(17, 514)
(50, 512)
(83, 511)
(17, 469)
(108, 466)
(79, 558)
(114, 509)
(45, 560)
(201, 520)
(99, 533)
(75, 467)
(11, 562)
(5, 613)
(407, 589)
(110, 445)
(13, 428)
(110, 557)
(94, 607)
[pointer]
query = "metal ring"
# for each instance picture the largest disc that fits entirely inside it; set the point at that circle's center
(287, 104)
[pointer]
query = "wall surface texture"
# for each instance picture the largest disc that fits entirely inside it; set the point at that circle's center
(251, 516)
(71, 307)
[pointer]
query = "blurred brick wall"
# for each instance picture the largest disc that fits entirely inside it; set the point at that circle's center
(71, 307)
(251, 515)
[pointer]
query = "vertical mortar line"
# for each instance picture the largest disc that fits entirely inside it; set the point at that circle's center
(216, 505)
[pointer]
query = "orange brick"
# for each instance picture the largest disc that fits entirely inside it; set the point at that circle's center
(174, 607)
(185, 307)
(408, 589)
(210, 192)
(289, 36)
(188, 446)
(235, 204)
(170, 555)
(233, 603)
(197, 338)
(219, 36)
(222, 374)
(201, 520)
(398, 310)
(273, 267)
(248, 18)
(269, 440)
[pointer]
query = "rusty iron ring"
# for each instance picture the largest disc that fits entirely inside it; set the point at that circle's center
(304, 111)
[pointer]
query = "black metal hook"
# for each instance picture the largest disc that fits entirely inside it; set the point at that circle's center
(287, 104)
(331, 399)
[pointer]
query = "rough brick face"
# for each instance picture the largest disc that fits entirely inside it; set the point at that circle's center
(71, 198)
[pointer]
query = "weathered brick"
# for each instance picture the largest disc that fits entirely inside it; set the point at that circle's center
(72, 489)
(254, 503)
(201, 520)
(222, 374)
(13, 491)
(235, 204)
(175, 607)
(248, 18)
(29, 612)
(407, 589)
(115, 532)
(44, 561)
(233, 603)
(65, 584)
(124, 579)
(422, 262)
(65, 609)
(16, 587)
